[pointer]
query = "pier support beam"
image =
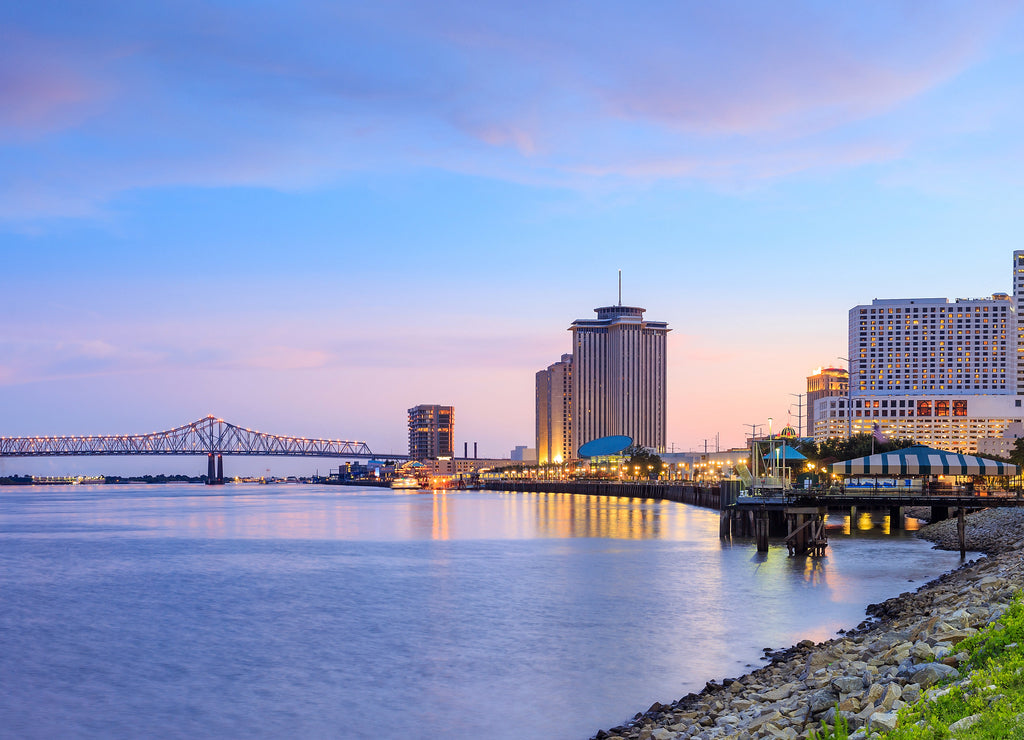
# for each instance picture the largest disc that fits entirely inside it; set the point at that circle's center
(895, 517)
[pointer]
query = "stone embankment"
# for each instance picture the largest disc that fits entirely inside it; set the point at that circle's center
(906, 646)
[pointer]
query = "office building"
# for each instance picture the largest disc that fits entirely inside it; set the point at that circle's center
(619, 377)
(825, 383)
(431, 431)
(945, 373)
(554, 413)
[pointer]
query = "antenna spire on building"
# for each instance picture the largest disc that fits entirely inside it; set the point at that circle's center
(620, 287)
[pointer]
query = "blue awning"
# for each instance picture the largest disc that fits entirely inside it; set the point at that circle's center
(785, 454)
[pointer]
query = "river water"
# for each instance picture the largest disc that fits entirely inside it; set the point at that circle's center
(319, 611)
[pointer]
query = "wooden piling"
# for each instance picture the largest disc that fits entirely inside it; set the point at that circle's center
(960, 527)
(761, 530)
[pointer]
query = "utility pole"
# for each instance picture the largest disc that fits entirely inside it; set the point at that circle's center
(800, 414)
(754, 449)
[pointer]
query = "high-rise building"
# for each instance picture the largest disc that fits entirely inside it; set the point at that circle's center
(825, 383)
(945, 373)
(619, 377)
(431, 431)
(922, 346)
(554, 412)
(1018, 334)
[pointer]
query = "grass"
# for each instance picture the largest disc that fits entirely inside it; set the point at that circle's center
(992, 692)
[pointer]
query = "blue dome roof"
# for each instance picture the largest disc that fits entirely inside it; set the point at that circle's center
(611, 445)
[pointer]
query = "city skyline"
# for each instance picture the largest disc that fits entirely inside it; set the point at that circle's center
(308, 219)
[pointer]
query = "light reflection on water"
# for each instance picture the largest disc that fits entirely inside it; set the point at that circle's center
(331, 611)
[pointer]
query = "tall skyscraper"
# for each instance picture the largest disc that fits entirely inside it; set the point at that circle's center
(554, 412)
(826, 383)
(431, 431)
(619, 377)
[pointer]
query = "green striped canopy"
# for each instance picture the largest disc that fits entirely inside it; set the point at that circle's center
(923, 461)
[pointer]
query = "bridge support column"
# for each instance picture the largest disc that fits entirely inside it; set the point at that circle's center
(211, 470)
(220, 470)
(895, 517)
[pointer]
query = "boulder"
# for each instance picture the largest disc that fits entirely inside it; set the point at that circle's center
(848, 684)
(892, 693)
(922, 651)
(883, 721)
(962, 724)
(931, 673)
(821, 701)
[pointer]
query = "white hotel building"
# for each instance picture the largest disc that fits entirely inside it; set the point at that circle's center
(945, 373)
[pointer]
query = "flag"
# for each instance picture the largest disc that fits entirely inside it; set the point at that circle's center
(877, 434)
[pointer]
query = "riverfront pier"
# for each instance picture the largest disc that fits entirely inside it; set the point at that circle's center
(794, 516)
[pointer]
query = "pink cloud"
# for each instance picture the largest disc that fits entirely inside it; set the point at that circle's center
(44, 86)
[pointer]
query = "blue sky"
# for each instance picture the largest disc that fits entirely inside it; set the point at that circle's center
(308, 217)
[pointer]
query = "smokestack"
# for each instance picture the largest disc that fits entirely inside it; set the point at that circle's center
(474, 450)
(465, 449)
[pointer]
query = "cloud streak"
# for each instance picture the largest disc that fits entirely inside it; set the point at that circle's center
(139, 97)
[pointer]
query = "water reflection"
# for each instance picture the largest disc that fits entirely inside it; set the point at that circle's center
(463, 596)
(870, 522)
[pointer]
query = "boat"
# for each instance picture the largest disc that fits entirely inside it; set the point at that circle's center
(404, 482)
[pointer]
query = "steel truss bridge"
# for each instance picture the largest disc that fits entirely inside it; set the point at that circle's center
(207, 436)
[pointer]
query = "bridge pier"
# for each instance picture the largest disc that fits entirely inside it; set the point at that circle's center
(214, 470)
(895, 517)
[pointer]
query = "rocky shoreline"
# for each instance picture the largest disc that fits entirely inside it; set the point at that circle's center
(907, 644)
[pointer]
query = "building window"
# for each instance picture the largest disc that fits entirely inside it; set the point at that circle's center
(924, 408)
(942, 408)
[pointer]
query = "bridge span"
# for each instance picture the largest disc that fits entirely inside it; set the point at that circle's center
(208, 436)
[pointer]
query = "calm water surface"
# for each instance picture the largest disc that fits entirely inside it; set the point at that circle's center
(318, 611)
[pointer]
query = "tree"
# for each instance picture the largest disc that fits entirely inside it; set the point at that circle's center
(649, 464)
(859, 445)
(1017, 456)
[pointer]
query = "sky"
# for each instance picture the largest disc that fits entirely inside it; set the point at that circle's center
(307, 217)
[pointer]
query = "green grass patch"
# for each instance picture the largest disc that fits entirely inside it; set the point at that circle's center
(993, 692)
